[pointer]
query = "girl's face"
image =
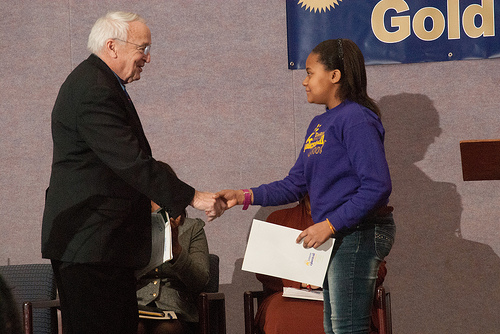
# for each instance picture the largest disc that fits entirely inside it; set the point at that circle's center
(321, 85)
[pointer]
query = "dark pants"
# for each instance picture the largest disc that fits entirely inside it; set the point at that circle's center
(96, 299)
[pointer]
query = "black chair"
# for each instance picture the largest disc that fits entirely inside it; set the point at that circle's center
(34, 282)
(211, 305)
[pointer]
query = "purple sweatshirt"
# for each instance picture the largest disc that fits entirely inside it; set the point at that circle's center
(342, 166)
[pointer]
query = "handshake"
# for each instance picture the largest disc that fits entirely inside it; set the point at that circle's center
(214, 204)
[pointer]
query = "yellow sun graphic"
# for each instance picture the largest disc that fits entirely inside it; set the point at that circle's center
(319, 5)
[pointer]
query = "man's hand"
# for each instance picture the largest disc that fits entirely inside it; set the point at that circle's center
(210, 203)
(315, 235)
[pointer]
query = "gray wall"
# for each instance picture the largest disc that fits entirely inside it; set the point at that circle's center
(219, 104)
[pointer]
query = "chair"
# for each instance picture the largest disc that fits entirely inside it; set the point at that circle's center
(211, 306)
(382, 305)
(33, 282)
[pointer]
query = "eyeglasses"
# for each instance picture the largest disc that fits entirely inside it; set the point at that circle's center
(144, 49)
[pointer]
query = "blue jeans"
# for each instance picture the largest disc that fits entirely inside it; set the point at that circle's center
(349, 286)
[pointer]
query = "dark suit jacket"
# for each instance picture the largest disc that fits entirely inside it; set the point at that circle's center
(97, 206)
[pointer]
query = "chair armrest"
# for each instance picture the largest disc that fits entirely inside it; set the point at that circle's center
(45, 303)
(212, 296)
(383, 305)
(212, 308)
(380, 300)
(249, 308)
(28, 312)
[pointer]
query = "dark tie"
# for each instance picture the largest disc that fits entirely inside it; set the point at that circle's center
(128, 96)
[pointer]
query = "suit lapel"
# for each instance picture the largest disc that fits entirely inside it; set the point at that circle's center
(127, 102)
(134, 117)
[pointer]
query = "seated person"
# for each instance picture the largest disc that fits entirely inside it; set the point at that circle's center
(176, 284)
(10, 323)
(280, 315)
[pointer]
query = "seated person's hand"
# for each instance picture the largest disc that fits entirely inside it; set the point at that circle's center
(154, 206)
(174, 226)
(309, 286)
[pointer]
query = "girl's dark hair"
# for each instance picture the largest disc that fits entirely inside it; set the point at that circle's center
(344, 55)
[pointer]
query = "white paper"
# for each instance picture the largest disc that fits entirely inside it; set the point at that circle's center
(161, 239)
(302, 293)
(272, 250)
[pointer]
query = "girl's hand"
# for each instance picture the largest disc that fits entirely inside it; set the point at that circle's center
(315, 235)
(232, 197)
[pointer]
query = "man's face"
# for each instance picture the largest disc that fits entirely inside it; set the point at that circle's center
(131, 57)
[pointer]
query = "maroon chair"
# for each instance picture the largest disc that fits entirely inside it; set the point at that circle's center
(381, 322)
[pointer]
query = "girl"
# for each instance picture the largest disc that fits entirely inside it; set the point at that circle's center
(342, 166)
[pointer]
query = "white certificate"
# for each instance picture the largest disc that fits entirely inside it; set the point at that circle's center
(161, 241)
(272, 250)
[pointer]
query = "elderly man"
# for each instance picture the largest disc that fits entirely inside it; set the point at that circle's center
(97, 224)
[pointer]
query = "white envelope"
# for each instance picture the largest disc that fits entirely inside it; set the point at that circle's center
(272, 250)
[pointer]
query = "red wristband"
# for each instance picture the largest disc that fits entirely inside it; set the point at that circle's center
(248, 198)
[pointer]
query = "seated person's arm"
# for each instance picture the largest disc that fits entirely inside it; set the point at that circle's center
(190, 262)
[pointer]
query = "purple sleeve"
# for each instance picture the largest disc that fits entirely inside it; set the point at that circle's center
(367, 155)
(291, 189)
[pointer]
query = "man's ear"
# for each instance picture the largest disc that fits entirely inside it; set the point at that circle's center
(336, 75)
(110, 48)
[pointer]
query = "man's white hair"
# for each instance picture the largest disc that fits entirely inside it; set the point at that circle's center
(113, 25)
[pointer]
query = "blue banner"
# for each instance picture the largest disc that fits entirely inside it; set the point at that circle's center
(396, 31)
